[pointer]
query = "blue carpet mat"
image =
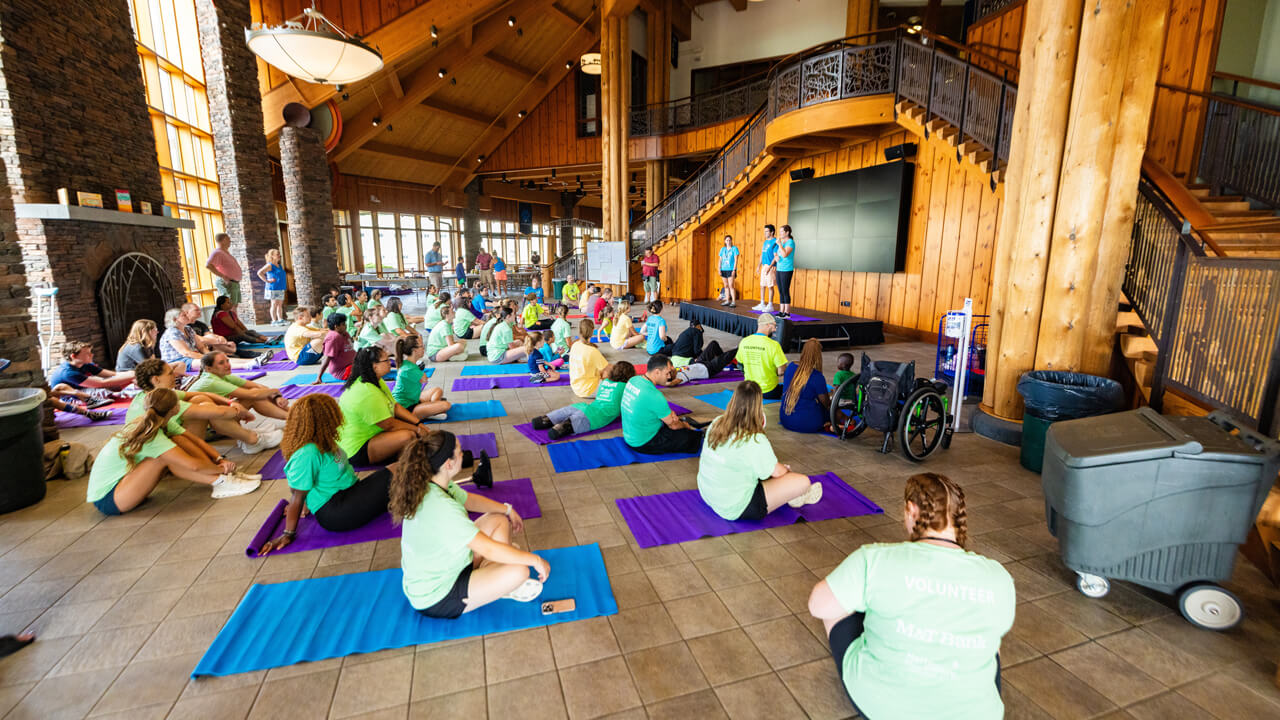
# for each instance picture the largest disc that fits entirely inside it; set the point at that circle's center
(482, 410)
(721, 399)
(309, 620)
(609, 452)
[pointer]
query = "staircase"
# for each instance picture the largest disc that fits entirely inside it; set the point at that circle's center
(1238, 230)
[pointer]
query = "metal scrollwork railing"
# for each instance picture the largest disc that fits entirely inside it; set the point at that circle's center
(697, 111)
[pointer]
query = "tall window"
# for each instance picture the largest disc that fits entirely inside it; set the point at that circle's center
(342, 237)
(588, 103)
(169, 49)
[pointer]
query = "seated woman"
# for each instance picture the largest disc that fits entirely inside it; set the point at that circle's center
(132, 462)
(215, 377)
(531, 315)
(375, 298)
(806, 402)
(465, 323)
(303, 343)
(916, 626)
(562, 330)
(338, 350)
(353, 314)
(322, 480)
(372, 331)
(707, 365)
(424, 402)
(657, 341)
(435, 310)
(451, 564)
(584, 417)
(143, 342)
(362, 300)
(738, 475)
(199, 410)
(442, 346)
(376, 427)
(226, 323)
(540, 371)
(502, 348)
(396, 322)
(624, 335)
(432, 295)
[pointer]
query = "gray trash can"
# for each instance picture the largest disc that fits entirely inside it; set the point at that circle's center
(1163, 502)
(21, 448)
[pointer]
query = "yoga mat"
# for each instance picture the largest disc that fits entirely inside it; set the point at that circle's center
(280, 356)
(320, 618)
(278, 366)
(540, 436)
(793, 318)
(66, 420)
(513, 369)
(313, 537)
(278, 342)
(293, 392)
(246, 374)
(273, 469)
(609, 452)
(512, 382)
(721, 399)
(305, 378)
(482, 410)
(677, 517)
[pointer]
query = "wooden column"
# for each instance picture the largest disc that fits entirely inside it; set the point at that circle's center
(548, 260)
(861, 17)
(615, 61)
(659, 47)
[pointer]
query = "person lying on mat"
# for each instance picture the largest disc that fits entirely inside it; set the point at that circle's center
(531, 315)
(396, 322)
(465, 323)
(739, 477)
(649, 425)
(451, 564)
(442, 345)
(226, 322)
(132, 462)
(688, 345)
(624, 335)
(585, 417)
(761, 357)
(655, 331)
(540, 370)
(708, 364)
(215, 377)
(586, 363)
(303, 344)
(338, 350)
(501, 347)
(806, 399)
(916, 626)
(322, 480)
(410, 394)
(435, 310)
(376, 426)
(199, 410)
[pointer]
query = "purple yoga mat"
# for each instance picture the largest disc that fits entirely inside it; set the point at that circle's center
(280, 356)
(293, 392)
(313, 537)
(246, 373)
(273, 469)
(278, 366)
(540, 436)
(511, 382)
(67, 420)
(682, 516)
(793, 317)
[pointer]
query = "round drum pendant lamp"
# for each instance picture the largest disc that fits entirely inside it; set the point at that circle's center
(590, 63)
(312, 48)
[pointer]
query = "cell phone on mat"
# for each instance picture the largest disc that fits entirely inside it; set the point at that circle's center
(553, 607)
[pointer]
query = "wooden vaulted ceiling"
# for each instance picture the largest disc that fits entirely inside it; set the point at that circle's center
(433, 129)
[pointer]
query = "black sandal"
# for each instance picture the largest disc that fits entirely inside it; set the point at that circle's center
(10, 644)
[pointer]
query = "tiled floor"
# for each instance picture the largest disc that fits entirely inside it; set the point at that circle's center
(714, 628)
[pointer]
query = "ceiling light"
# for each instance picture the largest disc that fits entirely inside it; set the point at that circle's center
(511, 21)
(346, 96)
(480, 159)
(312, 48)
(590, 63)
(553, 173)
(377, 120)
(568, 64)
(442, 72)
(521, 114)
(435, 32)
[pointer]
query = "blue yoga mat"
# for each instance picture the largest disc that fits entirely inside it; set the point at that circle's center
(721, 399)
(488, 370)
(473, 411)
(307, 620)
(308, 378)
(609, 452)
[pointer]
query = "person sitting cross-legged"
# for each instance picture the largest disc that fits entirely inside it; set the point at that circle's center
(338, 350)
(375, 426)
(501, 347)
(649, 425)
(453, 565)
(410, 394)
(761, 357)
(624, 335)
(442, 344)
(226, 323)
(303, 344)
(216, 377)
(806, 398)
(584, 417)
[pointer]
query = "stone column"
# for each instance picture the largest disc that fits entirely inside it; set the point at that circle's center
(239, 145)
(567, 200)
(471, 240)
(312, 244)
(18, 343)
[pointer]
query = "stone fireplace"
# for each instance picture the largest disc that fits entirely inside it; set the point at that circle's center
(134, 287)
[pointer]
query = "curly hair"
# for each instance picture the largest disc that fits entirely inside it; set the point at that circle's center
(412, 477)
(312, 419)
(622, 371)
(940, 502)
(147, 371)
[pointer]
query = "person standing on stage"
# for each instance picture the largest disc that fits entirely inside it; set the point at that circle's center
(768, 263)
(786, 267)
(728, 270)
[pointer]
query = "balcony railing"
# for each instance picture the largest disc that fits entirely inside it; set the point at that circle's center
(695, 111)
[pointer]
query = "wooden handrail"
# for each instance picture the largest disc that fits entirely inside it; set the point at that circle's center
(993, 15)
(969, 49)
(1228, 99)
(1183, 201)
(1245, 79)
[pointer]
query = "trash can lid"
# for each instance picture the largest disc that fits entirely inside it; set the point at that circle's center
(1116, 438)
(15, 401)
(1217, 444)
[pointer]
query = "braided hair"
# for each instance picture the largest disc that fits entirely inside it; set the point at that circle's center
(159, 405)
(940, 502)
(147, 371)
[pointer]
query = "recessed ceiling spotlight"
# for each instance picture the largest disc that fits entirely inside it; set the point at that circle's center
(480, 159)
(377, 120)
(568, 64)
(442, 72)
(435, 32)
(511, 21)
(346, 96)
(521, 114)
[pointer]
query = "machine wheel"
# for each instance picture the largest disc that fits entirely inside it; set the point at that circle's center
(1210, 607)
(1094, 586)
(922, 424)
(846, 414)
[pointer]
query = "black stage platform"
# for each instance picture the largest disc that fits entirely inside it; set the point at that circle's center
(833, 330)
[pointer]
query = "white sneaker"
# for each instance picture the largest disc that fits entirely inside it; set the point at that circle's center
(231, 486)
(767, 308)
(529, 590)
(266, 439)
(758, 306)
(810, 496)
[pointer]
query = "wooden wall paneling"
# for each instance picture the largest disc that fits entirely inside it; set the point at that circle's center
(968, 239)
(1205, 59)
(949, 248)
(933, 237)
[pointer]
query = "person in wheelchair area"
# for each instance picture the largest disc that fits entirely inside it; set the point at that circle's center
(916, 626)
(806, 404)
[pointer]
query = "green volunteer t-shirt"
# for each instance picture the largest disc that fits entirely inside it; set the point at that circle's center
(394, 322)
(408, 384)
(462, 320)
(760, 357)
(607, 405)
(499, 340)
(363, 407)
(174, 427)
(432, 316)
(643, 408)
(728, 474)
(561, 329)
(350, 314)
(369, 335)
(217, 385)
(326, 312)
(433, 545)
(438, 339)
(319, 475)
(109, 469)
(934, 619)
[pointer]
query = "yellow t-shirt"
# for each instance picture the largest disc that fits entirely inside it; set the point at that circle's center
(585, 364)
(295, 339)
(621, 331)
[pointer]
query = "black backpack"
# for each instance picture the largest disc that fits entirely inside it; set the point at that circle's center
(883, 383)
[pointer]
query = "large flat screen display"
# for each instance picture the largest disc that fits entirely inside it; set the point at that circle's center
(853, 221)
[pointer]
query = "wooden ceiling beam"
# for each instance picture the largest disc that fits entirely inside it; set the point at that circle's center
(618, 8)
(462, 113)
(425, 81)
(514, 68)
(558, 12)
(406, 153)
(739, 5)
(511, 191)
(468, 35)
(394, 78)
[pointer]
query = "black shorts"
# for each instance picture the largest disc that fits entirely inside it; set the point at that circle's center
(757, 507)
(775, 393)
(451, 605)
(842, 636)
(361, 456)
(468, 335)
(727, 273)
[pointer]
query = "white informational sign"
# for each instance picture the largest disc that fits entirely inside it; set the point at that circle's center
(607, 262)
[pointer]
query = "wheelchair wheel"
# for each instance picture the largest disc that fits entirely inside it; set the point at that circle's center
(846, 412)
(922, 424)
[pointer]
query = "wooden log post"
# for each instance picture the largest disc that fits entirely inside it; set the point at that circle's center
(861, 17)
(548, 264)
(659, 87)
(615, 61)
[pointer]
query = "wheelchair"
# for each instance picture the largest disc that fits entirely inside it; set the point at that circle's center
(887, 397)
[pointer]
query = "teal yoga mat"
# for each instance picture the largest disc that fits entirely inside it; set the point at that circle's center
(307, 620)
(721, 399)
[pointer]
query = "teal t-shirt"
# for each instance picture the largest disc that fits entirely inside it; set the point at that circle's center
(561, 329)
(499, 340)
(607, 405)
(788, 263)
(760, 358)
(438, 339)
(109, 468)
(319, 475)
(408, 384)
(433, 545)
(643, 408)
(462, 320)
(728, 474)
(654, 327)
(934, 619)
(363, 407)
(213, 384)
(729, 258)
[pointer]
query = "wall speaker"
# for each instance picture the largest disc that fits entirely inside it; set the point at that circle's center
(802, 174)
(898, 152)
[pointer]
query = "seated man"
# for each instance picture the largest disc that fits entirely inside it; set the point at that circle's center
(649, 425)
(569, 293)
(688, 345)
(762, 359)
(78, 373)
(303, 343)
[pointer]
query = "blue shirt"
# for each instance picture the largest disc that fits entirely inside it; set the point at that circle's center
(788, 263)
(653, 328)
(808, 415)
(275, 277)
(68, 374)
(498, 265)
(729, 257)
(547, 352)
(769, 252)
(461, 269)
(535, 362)
(477, 304)
(433, 261)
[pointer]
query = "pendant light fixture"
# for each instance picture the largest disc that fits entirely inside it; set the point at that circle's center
(312, 48)
(590, 63)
